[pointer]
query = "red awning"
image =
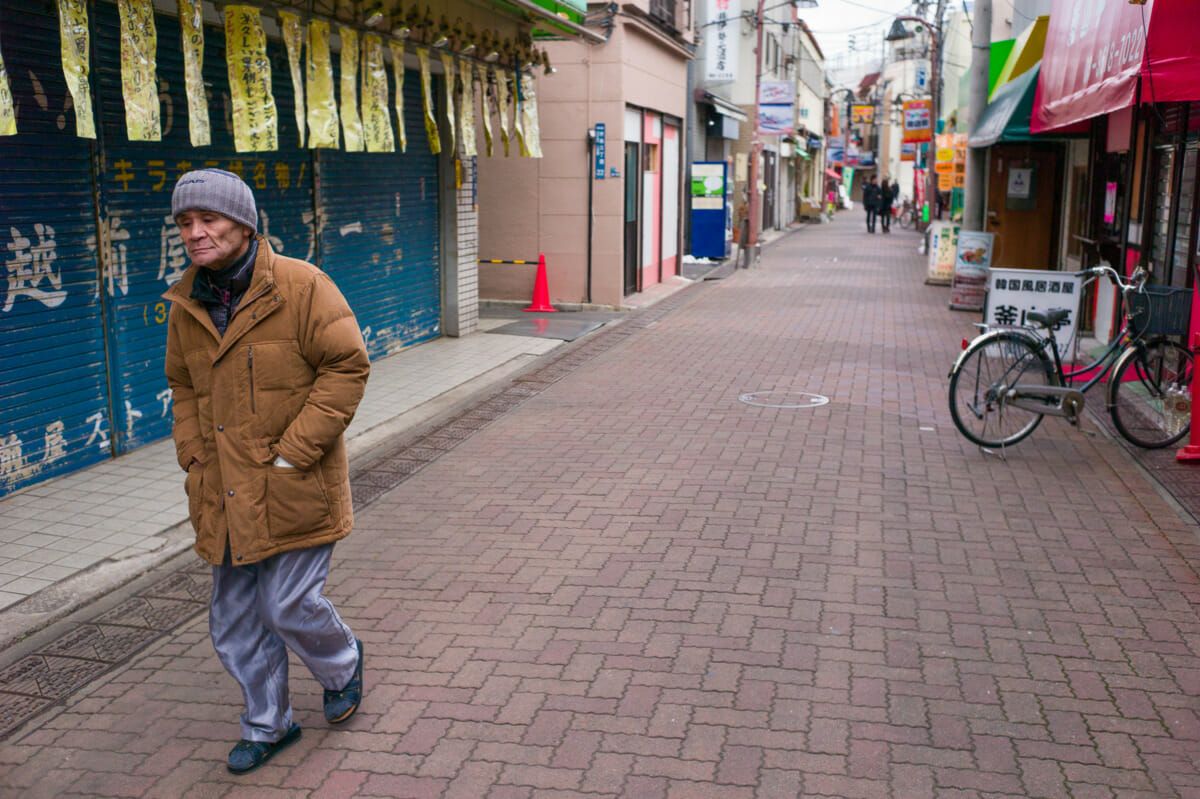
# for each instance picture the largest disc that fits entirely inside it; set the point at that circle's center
(1097, 49)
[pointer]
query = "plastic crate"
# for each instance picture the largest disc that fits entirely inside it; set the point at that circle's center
(1159, 310)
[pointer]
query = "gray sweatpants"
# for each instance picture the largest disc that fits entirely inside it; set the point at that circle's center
(260, 611)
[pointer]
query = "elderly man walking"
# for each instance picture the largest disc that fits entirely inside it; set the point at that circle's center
(266, 365)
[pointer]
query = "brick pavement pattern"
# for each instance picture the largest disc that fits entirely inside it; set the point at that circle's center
(636, 585)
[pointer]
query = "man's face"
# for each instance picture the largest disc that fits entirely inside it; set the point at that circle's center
(213, 241)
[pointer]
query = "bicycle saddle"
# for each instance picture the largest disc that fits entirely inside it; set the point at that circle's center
(1049, 318)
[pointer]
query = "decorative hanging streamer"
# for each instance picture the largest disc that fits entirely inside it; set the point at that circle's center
(139, 78)
(255, 122)
(485, 108)
(293, 36)
(73, 31)
(467, 104)
(398, 78)
(448, 66)
(431, 131)
(191, 33)
(8, 118)
(527, 130)
(322, 110)
(351, 124)
(502, 103)
(377, 120)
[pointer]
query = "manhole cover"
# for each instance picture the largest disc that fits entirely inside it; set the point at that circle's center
(784, 399)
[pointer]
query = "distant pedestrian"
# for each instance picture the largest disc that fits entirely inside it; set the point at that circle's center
(871, 199)
(885, 206)
(266, 365)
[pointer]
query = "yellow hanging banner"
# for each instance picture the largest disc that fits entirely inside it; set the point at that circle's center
(191, 34)
(293, 39)
(484, 108)
(139, 68)
(351, 124)
(448, 67)
(502, 105)
(431, 131)
(398, 78)
(377, 119)
(467, 113)
(8, 118)
(73, 33)
(255, 122)
(322, 110)
(527, 129)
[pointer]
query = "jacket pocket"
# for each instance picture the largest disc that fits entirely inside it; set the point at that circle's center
(202, 503)
(297, 503)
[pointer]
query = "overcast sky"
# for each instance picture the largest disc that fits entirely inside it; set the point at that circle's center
(834, 22)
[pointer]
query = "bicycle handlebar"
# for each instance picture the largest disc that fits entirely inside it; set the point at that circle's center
(1136, 281)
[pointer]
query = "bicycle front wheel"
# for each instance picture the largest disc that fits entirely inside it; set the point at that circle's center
(906, 219)
(1137, 396)
(992, 364)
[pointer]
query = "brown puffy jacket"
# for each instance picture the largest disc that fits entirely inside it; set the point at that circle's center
(284, 380)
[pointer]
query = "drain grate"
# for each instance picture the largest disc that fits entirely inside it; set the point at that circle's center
(39, 681)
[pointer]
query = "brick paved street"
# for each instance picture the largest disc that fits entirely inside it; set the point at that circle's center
(633, 584)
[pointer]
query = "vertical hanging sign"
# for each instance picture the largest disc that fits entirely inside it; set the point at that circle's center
(527, 132)
(398, 78)
(502, 105)
(139, 68)
(351, 124)
(73, 30)
(485, 108)
(255, 123)
(293, 35)
(377, 120)
(448, 66)
(191, 33)
(467, 118)
(721, 44)
(8, 119)
(431, 131)
(322, 110)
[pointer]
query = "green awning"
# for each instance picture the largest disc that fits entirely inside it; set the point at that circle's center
(1006, 117)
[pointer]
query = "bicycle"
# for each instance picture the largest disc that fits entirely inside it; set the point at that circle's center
(907, 214)
(1008, 379)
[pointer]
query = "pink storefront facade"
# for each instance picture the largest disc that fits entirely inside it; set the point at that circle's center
(608, 233)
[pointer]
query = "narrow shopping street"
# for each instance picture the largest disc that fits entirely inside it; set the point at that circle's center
(643, 580)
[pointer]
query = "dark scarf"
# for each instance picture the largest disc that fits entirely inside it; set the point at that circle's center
(221, 291)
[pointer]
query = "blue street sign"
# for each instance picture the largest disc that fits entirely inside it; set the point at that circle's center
(599, 151)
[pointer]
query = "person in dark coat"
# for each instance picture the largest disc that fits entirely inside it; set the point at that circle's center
(886, 196)
(871, 199)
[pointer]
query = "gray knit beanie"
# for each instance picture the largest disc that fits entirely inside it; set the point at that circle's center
(215, 190)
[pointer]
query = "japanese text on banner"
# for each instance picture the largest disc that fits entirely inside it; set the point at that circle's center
(351, 124)
(448, 66)
(322, 110)
(398, 78)
(255, 122)
(139, 78)
(8, 119)
(484, 108)
(191, 23)
(502, 105)
(377, 120)
(293, 35)
(467, 104)
(73, 30)
(431, 131)
(528, 132)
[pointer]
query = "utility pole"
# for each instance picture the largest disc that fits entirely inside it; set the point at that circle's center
(755, 209)
(935, 91)
(981, 49)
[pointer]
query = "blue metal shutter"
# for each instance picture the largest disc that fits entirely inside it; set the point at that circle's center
(380, 234)
(54, 404)
(135, 200)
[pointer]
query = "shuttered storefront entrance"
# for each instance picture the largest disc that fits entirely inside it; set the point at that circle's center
(54, 401)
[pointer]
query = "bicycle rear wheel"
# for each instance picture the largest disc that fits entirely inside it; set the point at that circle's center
(906, 218)
(992, 364)
(1137, 395)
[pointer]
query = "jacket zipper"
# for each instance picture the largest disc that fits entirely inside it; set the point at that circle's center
(250, 366)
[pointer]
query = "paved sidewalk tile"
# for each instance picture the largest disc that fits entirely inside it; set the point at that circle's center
(636, 584)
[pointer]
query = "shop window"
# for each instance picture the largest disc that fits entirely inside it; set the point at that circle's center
(650, 162)
(1078, 212)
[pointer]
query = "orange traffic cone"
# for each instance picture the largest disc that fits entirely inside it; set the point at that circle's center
(541, 290)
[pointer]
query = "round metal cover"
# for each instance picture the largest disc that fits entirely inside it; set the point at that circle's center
(784, 398)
